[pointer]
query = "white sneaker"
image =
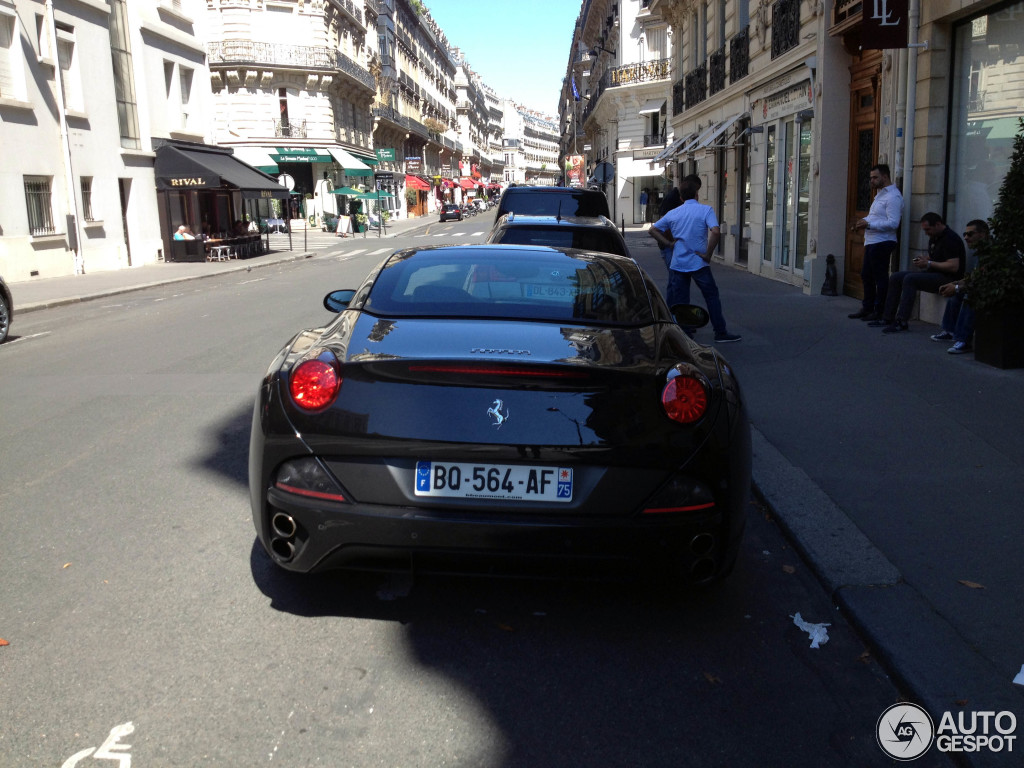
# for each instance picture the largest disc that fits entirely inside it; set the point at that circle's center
(960, 348)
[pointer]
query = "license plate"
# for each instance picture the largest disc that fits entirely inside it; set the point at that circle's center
(550, 291)
(493, 481)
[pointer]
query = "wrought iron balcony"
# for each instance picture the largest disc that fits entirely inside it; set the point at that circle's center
(696, 85)
(785, 26)
(679, 96)
(654, 140)
(290, 129)
(656, 69)
(716, 71)
(352, 10)
(739, 55)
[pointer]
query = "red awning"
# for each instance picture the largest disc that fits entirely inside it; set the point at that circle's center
(467, 183)
(415, 182)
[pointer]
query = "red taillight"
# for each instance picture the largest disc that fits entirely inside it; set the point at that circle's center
(685, 399)
(314, 384)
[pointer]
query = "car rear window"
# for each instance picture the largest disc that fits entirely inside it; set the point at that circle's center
(584, 238)
(567, 203)
(528, 284)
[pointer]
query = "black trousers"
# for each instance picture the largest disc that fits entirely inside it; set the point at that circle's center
(874, 274)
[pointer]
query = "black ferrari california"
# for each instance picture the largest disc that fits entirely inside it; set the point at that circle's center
(483, 405)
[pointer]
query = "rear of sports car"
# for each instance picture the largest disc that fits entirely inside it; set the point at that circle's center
(398, 460)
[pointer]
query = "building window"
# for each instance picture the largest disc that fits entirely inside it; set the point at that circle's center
(124, 79)
(87, 198)
(69, 77)
(185, 86)
(8, 77)
(37, 203)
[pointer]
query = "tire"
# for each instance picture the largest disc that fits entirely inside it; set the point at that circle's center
(5, 319)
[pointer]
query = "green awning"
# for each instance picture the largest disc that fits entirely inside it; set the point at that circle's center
(353, 166)
(368, 159)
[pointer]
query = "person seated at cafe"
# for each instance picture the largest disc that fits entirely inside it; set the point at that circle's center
(184, 233)
(239, 228)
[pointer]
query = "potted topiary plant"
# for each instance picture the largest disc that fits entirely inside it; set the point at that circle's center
(995, 288)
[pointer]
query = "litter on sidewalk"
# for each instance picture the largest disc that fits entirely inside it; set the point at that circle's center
(818, 632)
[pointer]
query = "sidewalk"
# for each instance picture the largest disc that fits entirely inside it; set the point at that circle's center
(42, 293)
(897, 470)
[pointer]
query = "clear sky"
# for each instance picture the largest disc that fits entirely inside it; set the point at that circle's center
(520, 48)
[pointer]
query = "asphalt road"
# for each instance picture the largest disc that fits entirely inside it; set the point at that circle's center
(132, 589)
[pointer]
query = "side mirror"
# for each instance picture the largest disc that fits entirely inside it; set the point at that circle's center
(691, 316)
(337, 301)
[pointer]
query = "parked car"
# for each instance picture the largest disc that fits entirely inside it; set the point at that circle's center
(552, 201)
(451, 212)
(6, 310)
(588, 233)
(471, 406)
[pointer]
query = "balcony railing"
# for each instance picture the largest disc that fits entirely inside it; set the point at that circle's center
(739, 55)
(679, 96)
(716, 71)
(290, 129)
(696, 85)
(785, 26)
(630, 74)
(657, 69)
(352, 10)
(654, 140)
(303, 57)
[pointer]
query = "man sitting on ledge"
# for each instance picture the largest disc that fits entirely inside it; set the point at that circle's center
(945, 262)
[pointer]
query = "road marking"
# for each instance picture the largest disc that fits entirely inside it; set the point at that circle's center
(12, 342)
(254, 280)
(379, 251)
(477, 234)
(106, 750)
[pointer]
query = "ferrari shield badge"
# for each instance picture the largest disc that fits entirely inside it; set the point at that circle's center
(498, 413)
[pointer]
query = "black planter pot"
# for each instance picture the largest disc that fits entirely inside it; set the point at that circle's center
(999, 339)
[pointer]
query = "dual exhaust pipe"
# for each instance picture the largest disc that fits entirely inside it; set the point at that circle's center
(282, 541)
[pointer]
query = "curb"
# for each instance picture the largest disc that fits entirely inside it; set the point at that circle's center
(929, 660)
(65, 301)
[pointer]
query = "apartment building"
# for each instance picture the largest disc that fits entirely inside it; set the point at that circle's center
(89, 90)
(782, 106)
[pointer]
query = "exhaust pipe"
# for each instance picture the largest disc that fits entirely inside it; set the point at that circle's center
(702, 544)
(283, 548)
(283, 525)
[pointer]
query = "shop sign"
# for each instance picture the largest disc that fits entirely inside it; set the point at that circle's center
(645, 154)
(446, 170)
(786, 99)
(884, 24)
(414, 165)
(197, 181)
(386, 155)
(384, 178)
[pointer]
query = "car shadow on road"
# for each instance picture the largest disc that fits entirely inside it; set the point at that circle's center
(626, 672)
(229, 448)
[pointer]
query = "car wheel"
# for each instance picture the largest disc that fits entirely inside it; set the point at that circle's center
(5, 320)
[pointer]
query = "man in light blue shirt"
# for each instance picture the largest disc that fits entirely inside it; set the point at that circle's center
(693, 233)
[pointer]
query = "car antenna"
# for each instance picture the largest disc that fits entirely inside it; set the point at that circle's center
(558, 213)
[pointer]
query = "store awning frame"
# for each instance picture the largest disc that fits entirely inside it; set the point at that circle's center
(349, 163)
(722, 127)
(652, 105)
(670, 151)
(209, 169)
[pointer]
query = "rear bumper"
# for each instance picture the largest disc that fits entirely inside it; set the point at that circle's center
(307, 536)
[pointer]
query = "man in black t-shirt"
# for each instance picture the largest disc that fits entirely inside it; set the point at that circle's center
(946, 260)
